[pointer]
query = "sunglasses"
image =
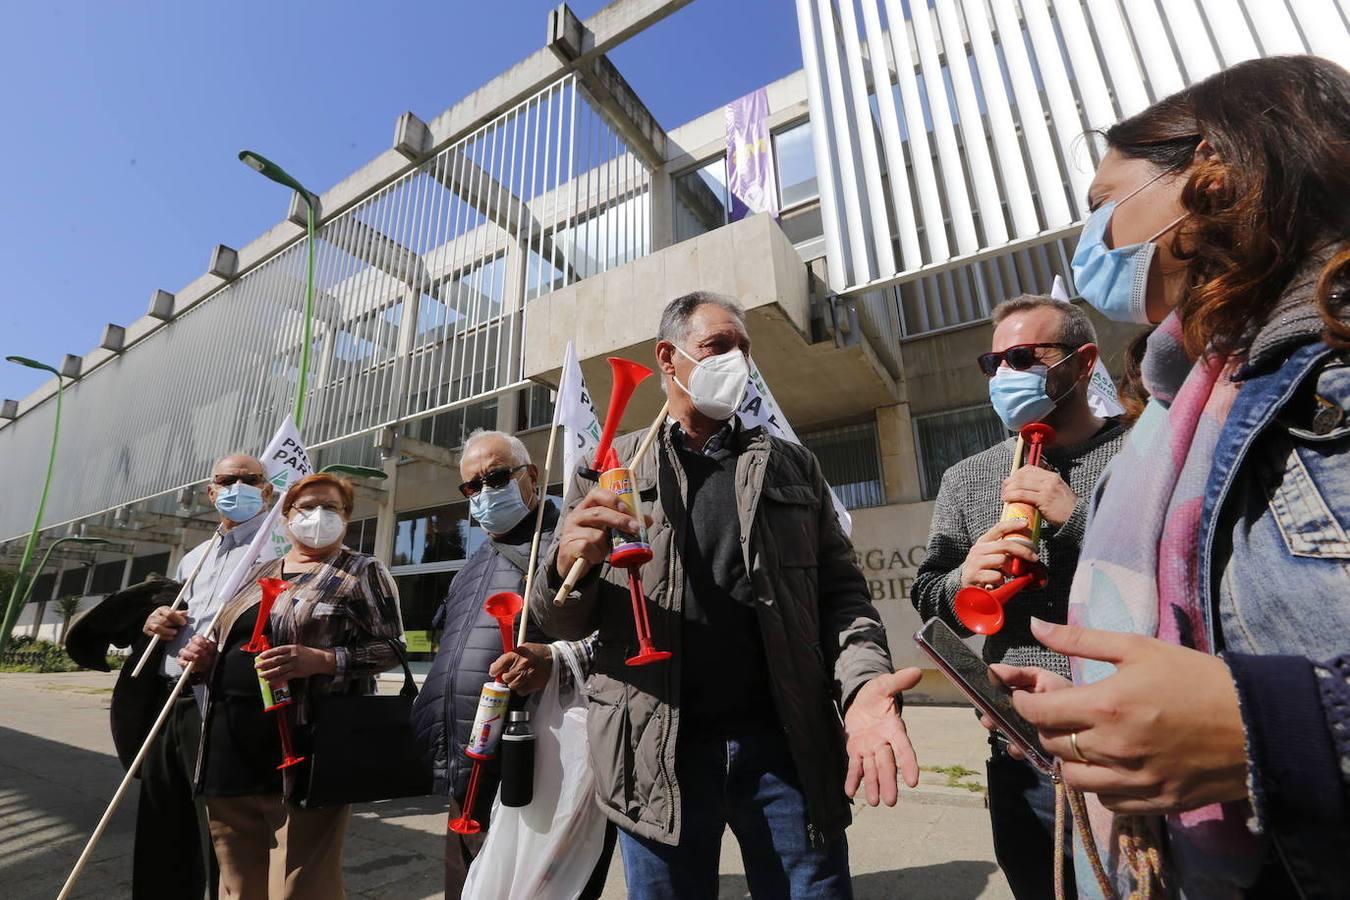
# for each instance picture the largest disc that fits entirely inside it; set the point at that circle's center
(1020, 357)
(227, 480)
(497, 478)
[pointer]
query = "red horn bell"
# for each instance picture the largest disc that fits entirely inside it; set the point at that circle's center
(627, 376)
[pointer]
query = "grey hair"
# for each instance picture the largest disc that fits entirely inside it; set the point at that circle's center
(519, 455)
(675, 317)
(1075, 328)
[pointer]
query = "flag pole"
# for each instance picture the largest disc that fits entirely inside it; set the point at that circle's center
(539, 516)
(126, 781)
(182, 594)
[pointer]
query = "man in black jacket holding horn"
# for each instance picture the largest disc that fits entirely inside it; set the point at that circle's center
(753, 585)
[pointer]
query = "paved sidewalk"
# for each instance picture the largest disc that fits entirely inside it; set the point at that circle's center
(58, 771)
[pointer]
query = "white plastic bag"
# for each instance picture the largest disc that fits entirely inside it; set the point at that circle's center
(548, 849)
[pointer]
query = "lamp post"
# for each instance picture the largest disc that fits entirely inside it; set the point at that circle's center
(274, 172)
(13, 607)
(68, 539)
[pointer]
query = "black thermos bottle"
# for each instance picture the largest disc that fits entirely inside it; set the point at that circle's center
(518, 760)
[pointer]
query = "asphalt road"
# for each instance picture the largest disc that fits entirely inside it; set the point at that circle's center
(58, 771)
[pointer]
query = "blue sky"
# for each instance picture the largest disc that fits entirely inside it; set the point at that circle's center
(123, 121)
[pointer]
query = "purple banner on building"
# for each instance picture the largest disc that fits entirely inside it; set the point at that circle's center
(751, 180)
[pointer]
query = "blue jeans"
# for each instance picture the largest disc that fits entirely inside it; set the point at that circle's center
(749, 783)
(1022, 812)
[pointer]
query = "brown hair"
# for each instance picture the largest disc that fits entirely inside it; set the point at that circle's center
(343, 486)
(1075, 326)
(1274, 193)
(1131, 390)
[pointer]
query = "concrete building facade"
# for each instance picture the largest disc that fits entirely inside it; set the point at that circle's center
(550, 206)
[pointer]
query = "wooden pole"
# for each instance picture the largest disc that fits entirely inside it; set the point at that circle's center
(579, 567)
(126, 781)
(539, 521)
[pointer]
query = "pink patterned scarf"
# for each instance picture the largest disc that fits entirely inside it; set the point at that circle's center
(1138, 572)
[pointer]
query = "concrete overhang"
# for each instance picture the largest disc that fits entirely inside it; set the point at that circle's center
(616, 314)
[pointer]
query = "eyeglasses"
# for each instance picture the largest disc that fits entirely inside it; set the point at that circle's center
(1020, 357)
(497, 478)
(227, 480)
(308, 506)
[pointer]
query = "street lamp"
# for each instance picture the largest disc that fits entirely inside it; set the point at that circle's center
(68, 539)
(12, 609)
(274, 172)
(354, 471)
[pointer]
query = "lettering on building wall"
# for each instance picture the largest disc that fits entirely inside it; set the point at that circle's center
(890, 571)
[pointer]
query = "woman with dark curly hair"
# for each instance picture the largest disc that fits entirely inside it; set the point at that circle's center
(1209, 716)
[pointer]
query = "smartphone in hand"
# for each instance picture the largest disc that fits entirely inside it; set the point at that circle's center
(984, 689)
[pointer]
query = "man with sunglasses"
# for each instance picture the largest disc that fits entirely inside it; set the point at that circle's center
(501, 485)
(1039, 367)
(173, 854)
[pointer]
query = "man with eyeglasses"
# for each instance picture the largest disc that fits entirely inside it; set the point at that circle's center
(1042, 358)
(173, 855)
(501, 485)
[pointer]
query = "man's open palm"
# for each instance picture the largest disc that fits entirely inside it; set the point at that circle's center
(878, 744)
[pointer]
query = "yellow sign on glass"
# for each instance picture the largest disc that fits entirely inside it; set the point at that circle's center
(419, 641)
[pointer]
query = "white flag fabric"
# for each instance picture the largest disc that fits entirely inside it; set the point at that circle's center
(1103, 399)
(284, 462)
(759, 408)
(576, 413)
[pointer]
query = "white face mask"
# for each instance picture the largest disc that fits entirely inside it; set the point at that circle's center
(316, 528)
(717, 384)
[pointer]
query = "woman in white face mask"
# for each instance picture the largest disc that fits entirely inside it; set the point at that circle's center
(331, 632)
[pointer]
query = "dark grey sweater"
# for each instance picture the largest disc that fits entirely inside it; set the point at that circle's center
(969, 502)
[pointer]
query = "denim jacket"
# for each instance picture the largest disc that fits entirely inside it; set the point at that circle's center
(1275, 565)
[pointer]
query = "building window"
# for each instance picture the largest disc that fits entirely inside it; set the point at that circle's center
(536, 407)
(850, 459)
(944, 439)
(108, 577)
(72, 581)
(451, 429)
(440, 534)
(42, 588)
(361, 535)
(701, 200)
(142, 567)
(796, 164)
(419, 594)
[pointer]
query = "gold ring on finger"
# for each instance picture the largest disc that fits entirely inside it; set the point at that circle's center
(1078, 754)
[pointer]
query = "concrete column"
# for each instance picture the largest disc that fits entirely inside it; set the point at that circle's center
(662, 208)
(385, 520)
(899, 456)
(126, 571)
(508, 411)
(176, 553)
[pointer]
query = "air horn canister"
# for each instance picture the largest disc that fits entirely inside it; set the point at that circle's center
(980, 609)
(276, 699)
(491, 716)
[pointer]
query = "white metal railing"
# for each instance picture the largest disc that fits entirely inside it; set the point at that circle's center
(421, 290)
(981, 106)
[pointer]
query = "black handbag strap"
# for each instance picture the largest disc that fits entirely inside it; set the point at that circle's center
(409, 686)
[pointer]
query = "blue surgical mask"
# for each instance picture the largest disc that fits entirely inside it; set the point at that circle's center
(499, 510)
(1115, 280)
(1020, 398)
(239, 502)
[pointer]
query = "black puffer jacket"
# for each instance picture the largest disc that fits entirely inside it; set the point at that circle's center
(470, 641)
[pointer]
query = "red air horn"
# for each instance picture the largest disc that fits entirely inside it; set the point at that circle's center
(629, 551)
(487, 724)
(980, 609)
(274, 699)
